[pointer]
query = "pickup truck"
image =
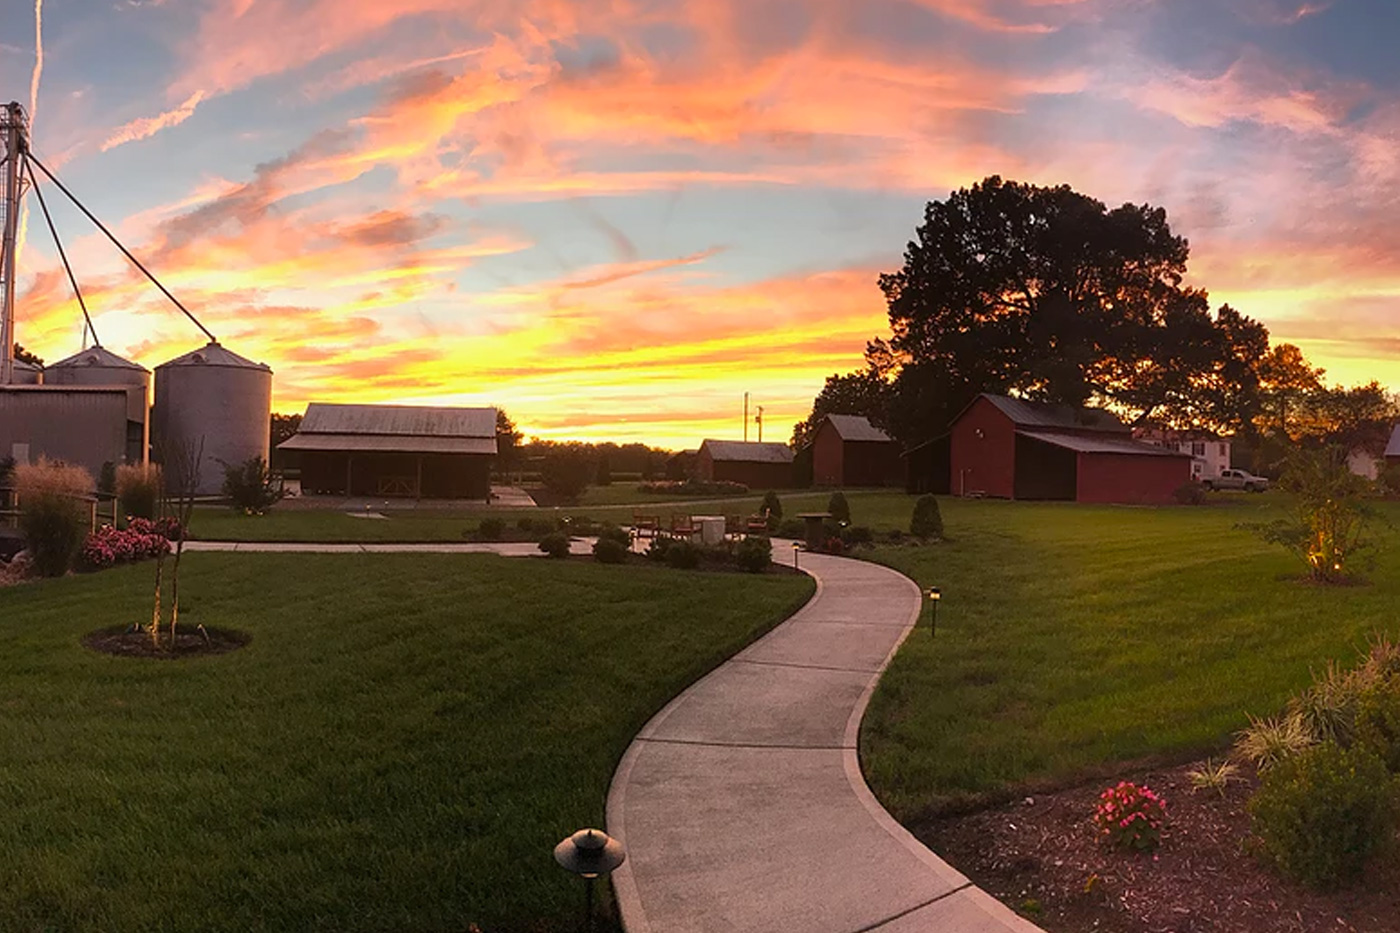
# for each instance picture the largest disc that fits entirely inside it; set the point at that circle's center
(1237, 479)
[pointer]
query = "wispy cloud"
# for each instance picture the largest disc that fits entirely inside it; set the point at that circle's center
(146, 127)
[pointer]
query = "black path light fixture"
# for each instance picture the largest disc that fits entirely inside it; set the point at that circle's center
(589, 853)
(934, 595)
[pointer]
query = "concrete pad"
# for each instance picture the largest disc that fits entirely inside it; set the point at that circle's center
(763, 841)
(842, 645)
(752, 704)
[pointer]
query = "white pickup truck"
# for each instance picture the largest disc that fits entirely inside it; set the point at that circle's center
(1237, 479)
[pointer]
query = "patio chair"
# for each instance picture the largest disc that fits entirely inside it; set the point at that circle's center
(682, 526)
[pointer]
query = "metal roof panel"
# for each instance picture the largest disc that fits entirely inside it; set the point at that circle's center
(403, 420)
(748, 451)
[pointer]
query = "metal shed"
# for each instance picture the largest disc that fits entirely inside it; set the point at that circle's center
(99, 366)
(396, 451)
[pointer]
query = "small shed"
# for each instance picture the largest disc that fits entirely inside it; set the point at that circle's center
(1014, 449)
(756, 465)
(847, 450)
(1392, 447)
(396, 451)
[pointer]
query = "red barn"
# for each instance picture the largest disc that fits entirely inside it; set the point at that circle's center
(758, 466)
(1014, 449)
(847, 450)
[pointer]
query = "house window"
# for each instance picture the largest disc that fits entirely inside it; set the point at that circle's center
(1198, 449)
(1222, 450)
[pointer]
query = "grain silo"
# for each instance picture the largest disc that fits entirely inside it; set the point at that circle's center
(26, 374)
(101, 367)
(214, 396)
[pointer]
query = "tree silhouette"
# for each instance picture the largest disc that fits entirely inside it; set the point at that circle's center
(1046, 293)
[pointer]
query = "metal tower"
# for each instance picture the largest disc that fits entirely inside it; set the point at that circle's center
(14, 130)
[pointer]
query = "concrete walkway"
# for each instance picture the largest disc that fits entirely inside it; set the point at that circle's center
(742, 805)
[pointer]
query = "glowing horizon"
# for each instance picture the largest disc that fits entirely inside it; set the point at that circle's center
(614, 217)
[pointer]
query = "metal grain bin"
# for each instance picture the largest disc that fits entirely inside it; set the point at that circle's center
(215, 396)
(101, 367)
(27, 374)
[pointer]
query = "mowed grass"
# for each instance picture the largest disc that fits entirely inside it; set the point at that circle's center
(398, 748)
(1074, 638)
(289, 523)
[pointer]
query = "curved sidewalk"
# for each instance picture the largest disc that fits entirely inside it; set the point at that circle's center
(742, 805)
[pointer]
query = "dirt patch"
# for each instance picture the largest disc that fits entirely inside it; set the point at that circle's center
(190, 641)
(1041, 857)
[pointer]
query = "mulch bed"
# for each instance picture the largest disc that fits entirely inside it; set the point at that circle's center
(1041, 857)
(190, 641)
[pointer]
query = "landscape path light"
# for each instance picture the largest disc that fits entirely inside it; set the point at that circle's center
(795, 548)
(934, 595)
(589, 853)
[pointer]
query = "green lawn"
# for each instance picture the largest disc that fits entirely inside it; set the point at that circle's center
(1074, 638)
(287, 523)
(398, 748)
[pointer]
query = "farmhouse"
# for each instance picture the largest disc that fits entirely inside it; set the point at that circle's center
(396, 451)
(1210, 453)
(756, 465)
(847, 450)
(1014, 449)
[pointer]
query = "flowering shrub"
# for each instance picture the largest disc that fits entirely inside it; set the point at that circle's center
(1130, 817)
(141, 539)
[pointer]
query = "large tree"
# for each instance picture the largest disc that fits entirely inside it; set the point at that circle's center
(1046, 293)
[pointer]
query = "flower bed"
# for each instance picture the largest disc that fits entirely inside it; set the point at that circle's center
(139, 540)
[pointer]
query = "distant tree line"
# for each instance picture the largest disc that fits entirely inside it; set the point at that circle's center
(1046, 294)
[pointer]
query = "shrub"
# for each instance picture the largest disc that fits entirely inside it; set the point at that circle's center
(1189, 493)
(249, 487)
(491, 529)
(1130, 816)
(555, 544)
(754, 554)
(610, 551)
(525, 524)
(7, 470)
(138, 489)
(772, 509)
(1320, 815)
(53, 516)
(657, 549)
(791, 528)
(857, 534)
(839, 508)
(616, 534)
(927, 521)
(682, 555)
(1377, 724)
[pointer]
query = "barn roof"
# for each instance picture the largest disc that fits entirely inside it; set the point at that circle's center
(1101, 444)
(399, 420)
(1392, 449)
(1026, 414)
(390, 443)
(748, 451)
(856, 428)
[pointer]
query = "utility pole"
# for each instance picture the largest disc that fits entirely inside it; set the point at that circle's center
(746, 417)
(14, 132)
(758, 420)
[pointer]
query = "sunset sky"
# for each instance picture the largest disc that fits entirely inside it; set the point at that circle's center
(614, 217)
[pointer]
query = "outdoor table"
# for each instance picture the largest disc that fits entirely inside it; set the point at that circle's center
(710, 528)
(815, 528)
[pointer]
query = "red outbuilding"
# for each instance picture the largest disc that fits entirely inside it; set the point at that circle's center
(1013, 449)
(758, 466)
(847, 450)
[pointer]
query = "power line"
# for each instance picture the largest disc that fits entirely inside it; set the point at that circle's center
(72, 280)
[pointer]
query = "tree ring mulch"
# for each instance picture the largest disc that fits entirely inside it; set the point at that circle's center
(190, 641)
